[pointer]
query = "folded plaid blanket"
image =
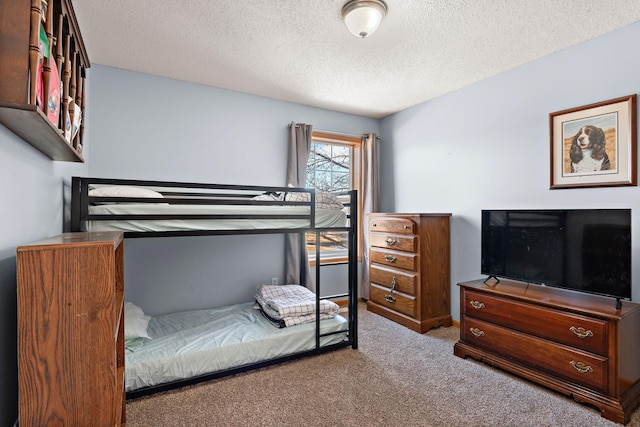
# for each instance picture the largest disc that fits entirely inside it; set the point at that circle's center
(292, 304)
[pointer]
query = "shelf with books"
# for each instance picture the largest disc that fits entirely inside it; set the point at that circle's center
(43, 64)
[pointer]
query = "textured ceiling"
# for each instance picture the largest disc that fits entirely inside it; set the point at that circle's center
(301, 51)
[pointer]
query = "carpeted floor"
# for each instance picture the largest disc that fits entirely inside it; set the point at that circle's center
(396, 378)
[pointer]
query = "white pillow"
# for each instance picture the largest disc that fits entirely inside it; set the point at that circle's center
(135, 322)
(124, 191)
(269, 197)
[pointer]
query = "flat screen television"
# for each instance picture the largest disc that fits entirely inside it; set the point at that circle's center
(586, 250)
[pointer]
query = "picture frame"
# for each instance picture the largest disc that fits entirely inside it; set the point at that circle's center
(594, 145)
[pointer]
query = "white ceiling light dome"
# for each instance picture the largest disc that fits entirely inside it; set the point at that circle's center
(363, 17)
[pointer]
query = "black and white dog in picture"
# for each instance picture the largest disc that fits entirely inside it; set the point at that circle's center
(587, 151)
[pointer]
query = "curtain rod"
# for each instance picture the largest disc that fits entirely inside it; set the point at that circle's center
(337, 133)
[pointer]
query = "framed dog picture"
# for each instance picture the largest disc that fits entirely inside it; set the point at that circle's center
(594, 145)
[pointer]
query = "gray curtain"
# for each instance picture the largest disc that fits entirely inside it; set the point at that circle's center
(370, 195)
(295, 258)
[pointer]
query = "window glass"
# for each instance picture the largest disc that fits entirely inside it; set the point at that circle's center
(329, 167)
(333, 166)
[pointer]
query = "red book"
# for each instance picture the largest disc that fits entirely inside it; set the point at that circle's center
(53, 98)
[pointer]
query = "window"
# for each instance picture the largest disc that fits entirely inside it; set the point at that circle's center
(329, 167)
(333, 166)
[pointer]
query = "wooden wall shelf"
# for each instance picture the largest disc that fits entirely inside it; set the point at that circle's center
(30, 124)
(43, 65)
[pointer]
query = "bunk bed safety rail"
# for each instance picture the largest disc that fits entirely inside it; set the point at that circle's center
(173, 201)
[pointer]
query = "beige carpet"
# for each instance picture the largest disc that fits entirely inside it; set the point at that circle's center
(396, 378)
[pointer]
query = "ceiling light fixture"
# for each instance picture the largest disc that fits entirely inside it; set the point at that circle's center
(363, 17)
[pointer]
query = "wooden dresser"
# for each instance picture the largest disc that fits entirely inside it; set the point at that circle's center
(575, 343)
(409, 268)
(71, 331)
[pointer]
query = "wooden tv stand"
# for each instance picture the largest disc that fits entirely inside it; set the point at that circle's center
(575, 343)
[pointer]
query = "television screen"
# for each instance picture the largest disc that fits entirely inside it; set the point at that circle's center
(586, 250)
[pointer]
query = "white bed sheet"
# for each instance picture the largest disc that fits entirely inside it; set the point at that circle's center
(191, 343)
(324, 217)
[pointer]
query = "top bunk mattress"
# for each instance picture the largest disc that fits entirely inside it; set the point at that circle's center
(270, 217)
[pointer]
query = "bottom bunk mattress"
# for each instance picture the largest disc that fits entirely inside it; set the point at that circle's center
(191, 343)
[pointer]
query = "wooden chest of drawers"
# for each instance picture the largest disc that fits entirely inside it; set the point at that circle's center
(409, 269)
(578, 344)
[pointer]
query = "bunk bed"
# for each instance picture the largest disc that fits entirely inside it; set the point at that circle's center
(184, 348)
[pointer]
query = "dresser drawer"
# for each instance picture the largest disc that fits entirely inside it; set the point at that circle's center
(585, 333)
(393, 241)
(393, 279)
(579, 366)
(404, 260)
(396, 301)
(392, 225)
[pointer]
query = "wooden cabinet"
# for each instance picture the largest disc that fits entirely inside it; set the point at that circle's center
(43, 65)
(409, 269)
(578, 344)
(71, 331)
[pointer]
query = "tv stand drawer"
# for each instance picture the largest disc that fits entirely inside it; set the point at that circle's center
(582, 367)
(582, 332)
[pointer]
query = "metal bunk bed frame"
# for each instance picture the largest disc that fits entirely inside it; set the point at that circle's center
(223, 194)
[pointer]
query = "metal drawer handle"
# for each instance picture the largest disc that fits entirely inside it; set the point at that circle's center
(390, 258)
(477, 304)
(581, 332)
(477, 332)
(391, 241)
(581, 367)
(394, 283)
(389, 298)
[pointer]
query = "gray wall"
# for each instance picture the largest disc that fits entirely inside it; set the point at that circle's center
(157, 128)
(487, 146)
